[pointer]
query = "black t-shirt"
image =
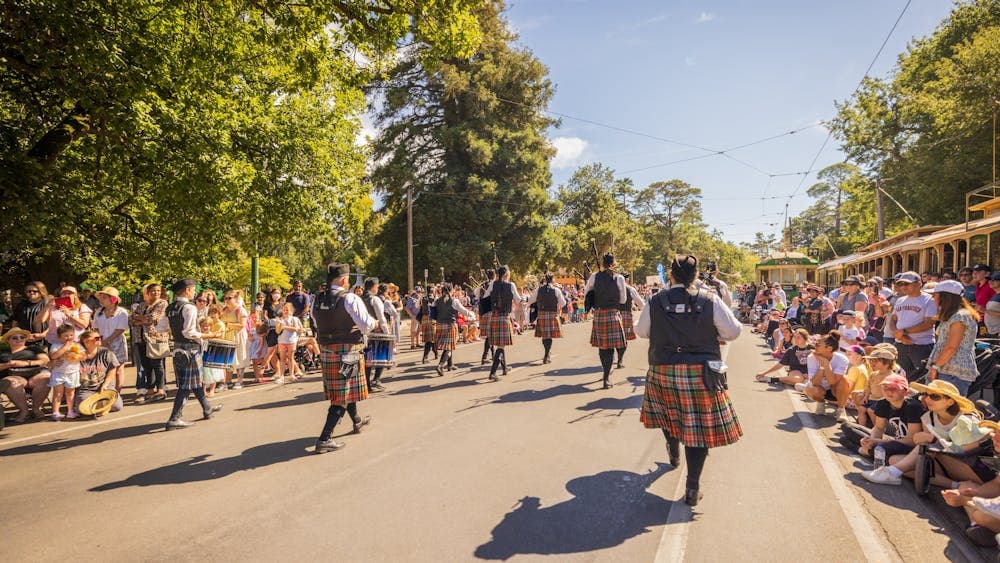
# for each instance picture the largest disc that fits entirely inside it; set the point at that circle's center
(94, 371)
(772, 325)
(795, 358)
(29, 353)
(898, 419)
(25, 313)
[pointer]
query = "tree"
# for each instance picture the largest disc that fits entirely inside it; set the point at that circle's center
(833, 180)
(762, 244)
(468, 136)
(671, 204)
(271, 270)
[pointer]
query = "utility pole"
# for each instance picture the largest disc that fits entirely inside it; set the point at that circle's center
(879, 211)
(409, 238)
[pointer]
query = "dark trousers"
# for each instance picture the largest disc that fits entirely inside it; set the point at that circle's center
(912, 357)
(153, 374)
(182, 397)
(853, 433)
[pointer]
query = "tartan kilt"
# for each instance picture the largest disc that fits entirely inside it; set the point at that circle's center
(445, 336)
(187, 366)
(500, 331)
(606, 330)
(427, 329)
(676, 399)
(484, 322)
(547, 325)
(627, 325)
(336, 389)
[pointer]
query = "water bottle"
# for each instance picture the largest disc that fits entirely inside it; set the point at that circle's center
(879, 457)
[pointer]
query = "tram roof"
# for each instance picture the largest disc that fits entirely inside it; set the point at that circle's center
(843, 260)
(787, 259)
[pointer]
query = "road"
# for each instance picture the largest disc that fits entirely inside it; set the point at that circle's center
(543, 463)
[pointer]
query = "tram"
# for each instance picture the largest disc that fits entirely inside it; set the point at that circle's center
(788, 269)
(935, 248)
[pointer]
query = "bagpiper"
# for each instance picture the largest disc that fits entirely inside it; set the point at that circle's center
(485, 312)
(376, 308)
(446, 310)
(182, 317)
(427, 324)
(549, 300)
(503, 293)
(607, 334)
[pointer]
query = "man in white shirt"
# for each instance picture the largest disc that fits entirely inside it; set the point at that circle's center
(912, 323)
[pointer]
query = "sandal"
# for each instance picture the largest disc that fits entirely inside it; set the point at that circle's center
(21, 418)
(141, 399)
(158, 396)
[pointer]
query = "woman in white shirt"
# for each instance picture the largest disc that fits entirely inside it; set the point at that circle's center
(111, 321)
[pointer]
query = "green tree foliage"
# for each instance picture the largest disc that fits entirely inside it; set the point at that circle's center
(673, 208)
(271, 270)
(164, 137)
(467, 134)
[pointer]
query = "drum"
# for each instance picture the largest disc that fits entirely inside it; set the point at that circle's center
(219, 354)
(380, 353)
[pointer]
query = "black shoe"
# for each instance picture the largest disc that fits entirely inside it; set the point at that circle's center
(981, 536)
(505, 369)
(620, 366)
(493, 377)
(424, 360)
(483, 363)
(177, 424)
(607, 384)
(675, 460)
(361, 422)
(214, 409)
(440, 370)
(546, 359)
(692, 496)
(330, 445)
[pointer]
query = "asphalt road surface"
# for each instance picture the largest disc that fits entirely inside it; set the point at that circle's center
(543, 463)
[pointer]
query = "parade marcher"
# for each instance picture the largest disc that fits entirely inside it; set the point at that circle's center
(550, 300)
(632, 299)
(686, 386)
(485, 312)
(342, 321)
(607, 334)
(427, 324)
(500, 332)
(182, 317)
(376, 308)
(446, 310)
(412, 308)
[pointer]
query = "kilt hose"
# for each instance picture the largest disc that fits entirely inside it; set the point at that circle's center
(445, 336)
(676, 399)
(187, 365)
(500, 331)
(628, 326)
(337, 389)
(606, 331)
(547, 325)
(427, 329)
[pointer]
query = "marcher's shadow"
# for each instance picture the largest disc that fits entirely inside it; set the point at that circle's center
(609, 406)
(530, 395)
(426, 388)
(790, 423)
(298, 400)
(107, 435)
(575, 371)
(606, 510)
(201, 468)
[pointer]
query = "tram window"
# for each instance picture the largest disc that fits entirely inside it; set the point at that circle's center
(933, 260)
(977, 250)
(995, 250)
(962, 250)
(948, 258)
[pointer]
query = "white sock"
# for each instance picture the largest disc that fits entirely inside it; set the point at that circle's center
(894, 472)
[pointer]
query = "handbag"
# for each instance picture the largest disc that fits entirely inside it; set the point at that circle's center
(157, 349)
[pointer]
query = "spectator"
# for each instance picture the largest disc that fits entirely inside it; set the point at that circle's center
(288, 327)
(881, 362)
(826, 368)
(968, 286)
(412, 307)
(992, 314)
(813, 310)
(29, 313)
(22, 369)
(299, 300)
(58, 313)
(857, 374)
(896, 421)
(953, 358)
(912, 324)
(794, 311)
(782, 337)
(212, 327)
(111, 321)
(235, 318)
(851, 297)
(794, 360)
(146, 328)
(876, 314)
(981, 502)
(983, 290)
(850, 329)
(88, 298)
(96, 369)
(272, 310)
(64, 376)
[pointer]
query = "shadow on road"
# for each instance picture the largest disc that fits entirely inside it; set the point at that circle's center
(606, 510)
(426, 388)
(201, 468)
(576, 371)
(107, 435)
(298, 400)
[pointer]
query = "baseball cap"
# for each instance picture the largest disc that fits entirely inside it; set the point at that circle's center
(949, 286)
(896, 381)
(995, 276)
(908, 277)
(981, 268)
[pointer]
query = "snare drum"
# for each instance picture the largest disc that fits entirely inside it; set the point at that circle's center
(219, 354)
(379, 352)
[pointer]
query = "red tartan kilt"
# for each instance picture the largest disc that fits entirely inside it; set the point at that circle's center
(445, 336)
(628, 326)
(500, 332)
(337, 390)
(547, 325)
(676, 399)
(606, 330)
(427, 329)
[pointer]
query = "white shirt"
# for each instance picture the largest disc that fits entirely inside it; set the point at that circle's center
(911, 311)
(461, 309)
(190, 315)
(636, 298)
(839, 365)
(106, 326)
(379, 307)
(619, 279)
(389, 308)
(356, 309)
(722, 317)
(559, 296)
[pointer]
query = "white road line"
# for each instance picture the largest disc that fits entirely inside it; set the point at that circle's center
(873, 545)
(673, 540)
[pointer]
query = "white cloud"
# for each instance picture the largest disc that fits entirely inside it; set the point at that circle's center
(367, 133)
(705, 17)
(634, 27)
(569, 151)
(689, 61)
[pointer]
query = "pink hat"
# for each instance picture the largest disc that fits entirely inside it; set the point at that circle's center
(897, 381)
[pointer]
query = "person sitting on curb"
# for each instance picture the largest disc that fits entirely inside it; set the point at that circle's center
(897, 420)
(95, 369)
(24, 368)
(826, 368)
(794, 360)
(981, 502)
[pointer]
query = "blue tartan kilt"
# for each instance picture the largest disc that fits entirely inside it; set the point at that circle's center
(187, 365)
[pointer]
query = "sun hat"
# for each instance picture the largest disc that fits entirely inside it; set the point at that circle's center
(949, 286)
(856, 349)
(882, 354)
(948, 390)
(895, 380)
(14, 332)
(68, 288)
(99, 403)
(109, 291)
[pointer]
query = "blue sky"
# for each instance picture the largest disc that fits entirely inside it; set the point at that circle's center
(715, 74)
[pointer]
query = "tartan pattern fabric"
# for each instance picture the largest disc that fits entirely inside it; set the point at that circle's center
(187, 366)
(547, 325)
(500, 331)
(484, 321)
(676, 399)
(606, 330)
(336, 389)
(445, 336)
(427, 329)
(628, 326)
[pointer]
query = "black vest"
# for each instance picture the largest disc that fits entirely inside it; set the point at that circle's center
(385, 309)
(334, 324)
(485, 305)
(682, 330)
(627, 305)
(366, 298)
(606, 294)
(175, 316)
(445, 311)
(547, 299)
(502, 297)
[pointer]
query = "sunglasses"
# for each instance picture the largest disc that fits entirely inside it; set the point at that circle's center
(201, 301)
(228, 298)
(32, 291)
(18, 337)
(933, 396)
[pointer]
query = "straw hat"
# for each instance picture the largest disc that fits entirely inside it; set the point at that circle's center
(109, 291)
(948, 390)
(990, 425)
(881, 354)
(98, 404)
(14, 332)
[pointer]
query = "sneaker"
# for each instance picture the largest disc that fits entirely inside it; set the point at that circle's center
(841, 415)
(208, 414)
(990, 506)
(238, 386)
(763, 378)
(71, 414)
(57, 416)
(882, 476)
(800, 387)
(278, 380)
(820, 408)
(177, 424)
(330, 445)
